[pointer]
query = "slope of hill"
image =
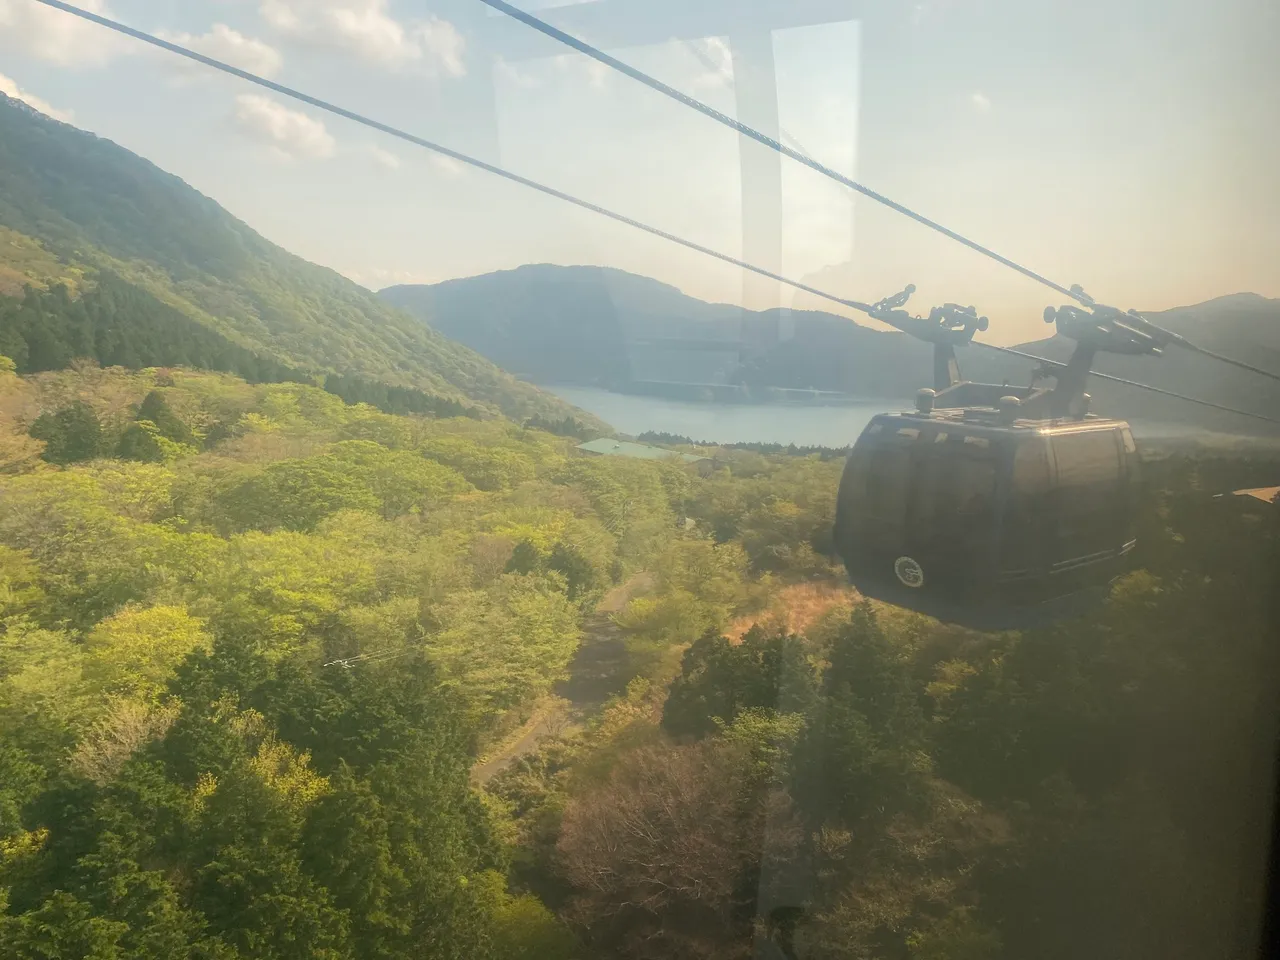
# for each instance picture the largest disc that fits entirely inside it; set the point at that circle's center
(592, 325)
(73, 206)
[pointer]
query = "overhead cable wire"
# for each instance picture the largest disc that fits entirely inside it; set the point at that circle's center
(542, 188)
(701, 56)
(1181, 341)
(435, 147)
(1128, 383)
(751, 133)
(801, 157)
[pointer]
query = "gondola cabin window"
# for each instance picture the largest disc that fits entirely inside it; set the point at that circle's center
(888, 481)
(1090, 501)
(1027, 521)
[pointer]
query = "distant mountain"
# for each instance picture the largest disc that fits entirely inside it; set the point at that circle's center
(600, 326)
(594, 325)
(75, 208)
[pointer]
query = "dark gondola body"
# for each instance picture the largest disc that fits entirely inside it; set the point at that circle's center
(988, 522)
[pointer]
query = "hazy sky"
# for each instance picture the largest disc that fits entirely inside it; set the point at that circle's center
(1127, 145)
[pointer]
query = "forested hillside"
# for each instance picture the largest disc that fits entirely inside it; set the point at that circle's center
(74, 208)
(256, 641)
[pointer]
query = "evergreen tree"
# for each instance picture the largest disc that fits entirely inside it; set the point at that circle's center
(71, 435)
(577, 569)
(864, 747)
(525, 559)
(62, 928)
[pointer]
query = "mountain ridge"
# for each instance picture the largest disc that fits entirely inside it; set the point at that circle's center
(94, 206)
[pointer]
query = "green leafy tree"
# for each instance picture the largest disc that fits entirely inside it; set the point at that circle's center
(720, 680)
(506, 646)
(143, 441)
(134, 653)
(154, 410)
(295, 495)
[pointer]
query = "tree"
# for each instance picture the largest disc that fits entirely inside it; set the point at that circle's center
(154, 410)
(665, 856)
(576, 569)
(295, 495)
(524, 929)
(62, 928)
(71, 435)
(121, 731)
(719, 680)
(505, 646)
(863, 752)
(141, 441)
(957, 936)
(525, 559)
(134, 653)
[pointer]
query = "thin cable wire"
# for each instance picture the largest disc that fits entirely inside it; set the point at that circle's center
(653, 83)
(437, 148)
(701, 56)
(1128, 383)
(379, 657)
(800, 157)
(549, 191)
(1195, 348)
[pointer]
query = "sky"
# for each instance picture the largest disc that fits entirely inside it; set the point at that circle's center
(1126, 145)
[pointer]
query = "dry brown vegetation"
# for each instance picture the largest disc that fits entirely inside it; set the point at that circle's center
(796, 608)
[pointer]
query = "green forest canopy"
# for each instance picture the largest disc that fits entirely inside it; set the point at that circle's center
(253, 639)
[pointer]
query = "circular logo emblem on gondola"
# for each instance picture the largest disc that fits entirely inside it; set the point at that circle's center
(909, 572)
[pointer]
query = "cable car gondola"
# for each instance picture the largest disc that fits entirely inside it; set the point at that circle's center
(988, 506)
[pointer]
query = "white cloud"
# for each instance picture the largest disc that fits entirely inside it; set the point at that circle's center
(367, 29)
(717, 59)
(58, 37)
(11, 88)
(450, 167)
(442, 43)
(981, 102)
(290, 134)
(223, 43)
(384, 158)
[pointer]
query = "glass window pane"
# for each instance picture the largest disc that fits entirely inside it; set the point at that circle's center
(887, 483)
(1086, 458)
(1031, 467)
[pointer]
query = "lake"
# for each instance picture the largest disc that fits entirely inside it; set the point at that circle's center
(805, 426)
